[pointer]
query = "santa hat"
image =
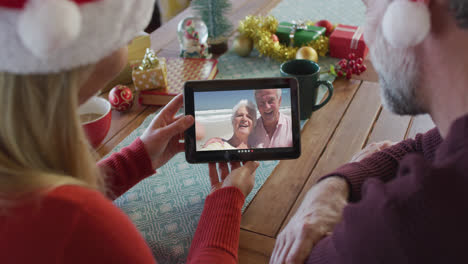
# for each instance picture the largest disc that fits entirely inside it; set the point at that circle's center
(407, 23)
(44, 36)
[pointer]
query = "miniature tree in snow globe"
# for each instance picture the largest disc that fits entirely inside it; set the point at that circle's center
(213, 13)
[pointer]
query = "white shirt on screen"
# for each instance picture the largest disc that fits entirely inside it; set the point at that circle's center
(282, 137)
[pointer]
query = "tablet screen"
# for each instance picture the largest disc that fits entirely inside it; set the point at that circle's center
(243, 119)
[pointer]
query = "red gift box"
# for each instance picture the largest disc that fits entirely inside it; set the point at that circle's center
(347, 39)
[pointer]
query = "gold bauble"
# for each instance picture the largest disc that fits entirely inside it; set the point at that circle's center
(307, 53)
(243, 45)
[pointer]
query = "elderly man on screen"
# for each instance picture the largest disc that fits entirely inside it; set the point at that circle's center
(273, 129)
(407, 200)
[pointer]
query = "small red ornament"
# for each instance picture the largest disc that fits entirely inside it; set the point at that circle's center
(121, 98)
(327, 25)
(274, 38)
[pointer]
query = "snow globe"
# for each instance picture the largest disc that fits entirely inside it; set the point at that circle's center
(193, 35)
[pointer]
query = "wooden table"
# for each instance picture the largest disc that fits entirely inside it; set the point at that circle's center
(353, 118)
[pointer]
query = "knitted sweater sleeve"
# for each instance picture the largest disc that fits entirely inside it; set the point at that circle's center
(391, 222)
(217, 237)
(126, 168)
(384, 164)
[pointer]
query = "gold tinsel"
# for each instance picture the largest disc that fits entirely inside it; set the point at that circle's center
(260, 29)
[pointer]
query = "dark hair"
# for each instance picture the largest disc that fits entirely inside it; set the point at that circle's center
(459, 9)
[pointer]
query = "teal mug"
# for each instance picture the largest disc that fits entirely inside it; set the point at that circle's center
(307, 74)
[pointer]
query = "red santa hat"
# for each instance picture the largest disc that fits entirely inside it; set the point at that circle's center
(43, 36)
(407, 23)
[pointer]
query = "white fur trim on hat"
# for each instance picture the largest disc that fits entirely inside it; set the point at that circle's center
(406, 23)
(101, 27)
(49, 25)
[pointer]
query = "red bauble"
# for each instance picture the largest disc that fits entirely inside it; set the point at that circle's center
(326, 24)
(274, 38)
(121, 98)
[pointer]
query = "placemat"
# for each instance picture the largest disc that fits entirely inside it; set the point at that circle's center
(166, 207)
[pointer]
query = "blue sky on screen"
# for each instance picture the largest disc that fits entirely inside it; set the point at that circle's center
(228, 99)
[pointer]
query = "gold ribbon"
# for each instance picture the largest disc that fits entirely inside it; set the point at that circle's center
(150, 61)
(356, 37)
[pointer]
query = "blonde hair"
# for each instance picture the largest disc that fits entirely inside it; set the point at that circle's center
(42, 143)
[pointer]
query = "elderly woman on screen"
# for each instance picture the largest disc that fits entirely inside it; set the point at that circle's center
(244, 116)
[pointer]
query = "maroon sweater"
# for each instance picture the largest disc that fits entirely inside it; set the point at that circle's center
(412, 207)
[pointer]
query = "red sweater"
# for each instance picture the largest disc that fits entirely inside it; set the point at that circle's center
(72, 224)
(412, 207)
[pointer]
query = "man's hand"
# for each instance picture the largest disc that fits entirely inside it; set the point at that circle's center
(161, 138)
(316, 217)
(240, 177)
(371, 149)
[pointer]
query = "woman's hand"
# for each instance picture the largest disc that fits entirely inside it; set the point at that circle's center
(240, 177)
(161, 138)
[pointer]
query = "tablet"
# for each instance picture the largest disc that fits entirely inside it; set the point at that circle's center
(242, 120)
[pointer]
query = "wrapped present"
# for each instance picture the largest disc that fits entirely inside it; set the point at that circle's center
(136, 51)
(346, 40)
(151, 73)
(138, 46)
(298, 35)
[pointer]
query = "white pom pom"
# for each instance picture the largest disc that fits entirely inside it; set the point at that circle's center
(46, 26)
(406, 23)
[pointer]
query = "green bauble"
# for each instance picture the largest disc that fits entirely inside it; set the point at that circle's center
(242, 46)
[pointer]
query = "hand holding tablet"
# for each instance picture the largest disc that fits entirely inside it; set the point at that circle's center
(241, 120)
